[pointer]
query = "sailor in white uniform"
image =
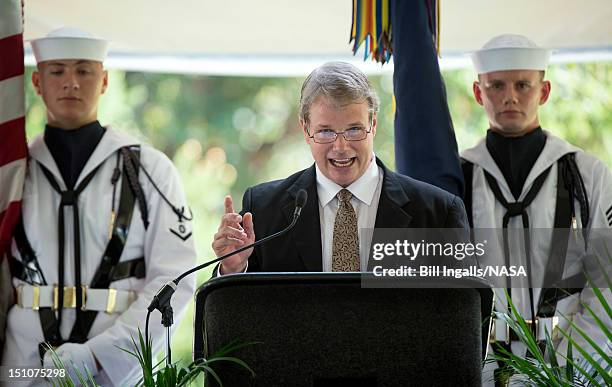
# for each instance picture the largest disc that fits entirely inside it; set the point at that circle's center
(523, 177)
(104, 226)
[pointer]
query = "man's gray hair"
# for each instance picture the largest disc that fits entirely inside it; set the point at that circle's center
(342, 83)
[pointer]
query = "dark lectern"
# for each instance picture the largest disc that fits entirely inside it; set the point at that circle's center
(324, 329)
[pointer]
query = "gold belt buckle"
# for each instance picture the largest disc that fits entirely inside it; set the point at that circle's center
(69, 300)
(84, 297)
(493, 333)
(35, 297)
(19, 290)
(554, 322)
(69, 297)
(111, 301)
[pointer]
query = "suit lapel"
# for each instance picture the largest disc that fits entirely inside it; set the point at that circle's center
(390, 213)
(307, 232)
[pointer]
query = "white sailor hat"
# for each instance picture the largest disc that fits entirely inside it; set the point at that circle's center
(69, 43)
(510, 52)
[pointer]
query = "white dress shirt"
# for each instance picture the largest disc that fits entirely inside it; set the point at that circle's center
(366, 194)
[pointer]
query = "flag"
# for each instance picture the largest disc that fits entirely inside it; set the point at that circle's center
(13, 147)
(371, 26)
(425, 144)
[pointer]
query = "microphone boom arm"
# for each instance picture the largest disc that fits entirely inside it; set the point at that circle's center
(161, 301)
(162, 298)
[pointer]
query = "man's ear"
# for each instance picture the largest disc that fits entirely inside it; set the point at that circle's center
(304, 127)
(374, 123)
(104, 82)
(477, 92)
(36, 82)
(544, 92)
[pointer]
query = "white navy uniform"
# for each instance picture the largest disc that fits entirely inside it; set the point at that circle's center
(167, 247)
(488, 212)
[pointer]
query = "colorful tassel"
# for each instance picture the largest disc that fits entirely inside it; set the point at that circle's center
(371, 27)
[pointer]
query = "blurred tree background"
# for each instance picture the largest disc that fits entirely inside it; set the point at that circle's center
(227, 133)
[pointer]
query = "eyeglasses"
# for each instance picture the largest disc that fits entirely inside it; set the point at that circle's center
(327, 136)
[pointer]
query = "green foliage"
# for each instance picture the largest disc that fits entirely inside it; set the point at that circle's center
(174, 375)
(592, 369)
(66, 381)
(143, 351)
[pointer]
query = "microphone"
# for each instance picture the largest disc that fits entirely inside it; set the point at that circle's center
(300, 202)
(163, 296)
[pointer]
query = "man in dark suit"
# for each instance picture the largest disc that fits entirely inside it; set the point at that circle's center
(348, 189)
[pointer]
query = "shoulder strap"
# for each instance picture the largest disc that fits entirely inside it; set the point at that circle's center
(131, 161)
(468, 172)
(549, 297)
(579, 190)
(27, 269)
(118, 238)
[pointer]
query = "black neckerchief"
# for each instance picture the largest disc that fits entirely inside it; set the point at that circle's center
(515, 156)
(72, 148)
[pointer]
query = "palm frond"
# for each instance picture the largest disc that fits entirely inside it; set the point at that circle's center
(174, 374)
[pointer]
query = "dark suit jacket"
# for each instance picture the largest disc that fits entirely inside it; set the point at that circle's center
(404, 203)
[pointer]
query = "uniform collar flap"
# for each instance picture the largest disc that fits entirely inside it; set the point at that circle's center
(109, 144)
(554, 149)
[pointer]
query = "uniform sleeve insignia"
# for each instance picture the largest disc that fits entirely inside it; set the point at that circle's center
(181, 232)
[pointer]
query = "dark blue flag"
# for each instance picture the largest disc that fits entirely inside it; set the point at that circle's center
(425, 144)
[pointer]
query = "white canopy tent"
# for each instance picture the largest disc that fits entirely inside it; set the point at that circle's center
(290, 37)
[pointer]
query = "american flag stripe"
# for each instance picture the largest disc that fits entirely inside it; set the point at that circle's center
(13, 148)
(11, 13)
(8, 220)
(10, 193)
(12, 132)
(11, 98)
(9, 67)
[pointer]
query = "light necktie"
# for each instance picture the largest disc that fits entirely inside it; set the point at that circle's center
(345, 248)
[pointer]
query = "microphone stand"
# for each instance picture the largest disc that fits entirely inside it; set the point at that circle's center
(161, 301)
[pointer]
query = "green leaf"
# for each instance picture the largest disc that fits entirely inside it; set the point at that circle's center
(604, 328)
(522, 365)
(586, 355)
(606, 358)
(586, 373)
(569, 369)
(213, 374)
(232, 347)
(233, 360)
(602, 301)
(551, 350)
